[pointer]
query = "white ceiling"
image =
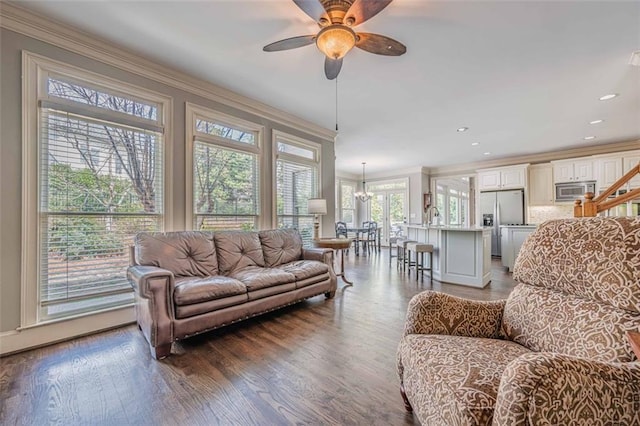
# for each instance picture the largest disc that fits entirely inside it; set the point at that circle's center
(524, 76)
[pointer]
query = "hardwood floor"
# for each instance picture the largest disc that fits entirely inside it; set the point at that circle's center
(322, 361)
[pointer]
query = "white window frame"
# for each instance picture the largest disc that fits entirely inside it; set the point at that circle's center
(340, 207)
(36, 70)
(279, 136)
(447, 196)
(194, 112)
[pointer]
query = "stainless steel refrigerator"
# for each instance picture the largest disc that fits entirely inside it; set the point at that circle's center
(501, 208)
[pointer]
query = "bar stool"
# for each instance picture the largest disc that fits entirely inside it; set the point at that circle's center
(392, 241)
(421, 249)
(401, 251)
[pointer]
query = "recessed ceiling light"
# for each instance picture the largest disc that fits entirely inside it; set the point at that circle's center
(588, 138)
(609, 96)
(596, 121)
(487, 153)
(475, 143)
(462, 129)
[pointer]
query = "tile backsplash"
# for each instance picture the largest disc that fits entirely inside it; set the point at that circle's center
(539, 214)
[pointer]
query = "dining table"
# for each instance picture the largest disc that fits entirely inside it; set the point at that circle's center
(357, 232)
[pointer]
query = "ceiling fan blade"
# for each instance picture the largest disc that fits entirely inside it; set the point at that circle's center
(380, 45)
(332, 67)
(313, 8)
(363, 10)
(290, 43)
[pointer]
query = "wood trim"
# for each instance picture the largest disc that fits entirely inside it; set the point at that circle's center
(28, 23)
(59, 330)
(592, 206)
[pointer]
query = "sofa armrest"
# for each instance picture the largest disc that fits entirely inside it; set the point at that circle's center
(320, 254)
(153, 288)
(140, 278)
(431, 312)
(551, 388)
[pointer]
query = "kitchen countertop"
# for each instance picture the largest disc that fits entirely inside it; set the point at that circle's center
(450, 228)
(531, 225)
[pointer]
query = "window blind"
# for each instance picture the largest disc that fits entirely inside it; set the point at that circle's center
(295, 184)
(100, 183)
(225, 188)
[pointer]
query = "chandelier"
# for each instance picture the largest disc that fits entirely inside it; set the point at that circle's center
(363, 195)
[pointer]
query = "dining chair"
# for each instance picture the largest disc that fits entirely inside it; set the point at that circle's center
(370, 236)
(341, 231)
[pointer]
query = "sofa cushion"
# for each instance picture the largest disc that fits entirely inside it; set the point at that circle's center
(594, 258)
(303, 269)
(550, 321)
(454, 379)
(189, 290)
(186, 311)
(280, 246)
(185, 253)
(238, 250)
(256, 278)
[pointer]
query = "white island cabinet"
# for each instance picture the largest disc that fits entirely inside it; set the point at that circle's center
(513, 236)
(461, 255)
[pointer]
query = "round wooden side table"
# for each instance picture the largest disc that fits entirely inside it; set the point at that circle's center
(337, 244)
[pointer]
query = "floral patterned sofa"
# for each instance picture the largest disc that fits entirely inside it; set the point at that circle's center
(554, 353)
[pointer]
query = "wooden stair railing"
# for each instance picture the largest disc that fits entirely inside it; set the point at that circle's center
(592, 206)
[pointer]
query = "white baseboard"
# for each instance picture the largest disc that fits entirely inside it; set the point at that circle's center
(45, 334)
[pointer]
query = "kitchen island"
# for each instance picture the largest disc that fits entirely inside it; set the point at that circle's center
(461, 255)
(513, 236)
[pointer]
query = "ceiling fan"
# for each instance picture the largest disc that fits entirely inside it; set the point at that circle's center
(336, 37)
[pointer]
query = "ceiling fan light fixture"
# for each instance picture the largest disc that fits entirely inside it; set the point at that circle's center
(335, 41)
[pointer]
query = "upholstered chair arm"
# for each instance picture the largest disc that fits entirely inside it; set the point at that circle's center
(320, 254)
(142, 279)
(550, 388)
(154, 306)
(432, 312)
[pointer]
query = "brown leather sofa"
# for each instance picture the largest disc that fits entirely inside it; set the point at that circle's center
(190, 282)
(554, 353)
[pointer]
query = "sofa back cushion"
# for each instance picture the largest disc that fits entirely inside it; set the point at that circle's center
(580, 288)
(280, 246)
(237, 250)
(185, 253)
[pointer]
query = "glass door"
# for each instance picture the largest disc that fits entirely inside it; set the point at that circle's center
(388, 209)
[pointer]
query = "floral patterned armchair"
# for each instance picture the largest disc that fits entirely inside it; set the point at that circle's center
(555, 352)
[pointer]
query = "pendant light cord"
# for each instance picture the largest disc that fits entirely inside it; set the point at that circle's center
(336, 104)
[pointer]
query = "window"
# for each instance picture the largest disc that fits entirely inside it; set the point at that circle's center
(225, 158)
(100, 180)
(452, 200)
(296, 175)
(346, 202)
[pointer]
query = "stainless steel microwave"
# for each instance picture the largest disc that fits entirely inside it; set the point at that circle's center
(572, 191)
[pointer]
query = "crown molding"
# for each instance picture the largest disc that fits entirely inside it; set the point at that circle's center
(398, 173)
(586, 151)
(348, 176)
(30, 24)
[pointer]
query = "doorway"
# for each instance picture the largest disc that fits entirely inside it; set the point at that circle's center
(389, 207)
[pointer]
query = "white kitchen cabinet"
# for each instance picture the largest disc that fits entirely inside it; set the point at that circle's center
(513, 177)
(540, 186)
(576, 170)
(609, 171)
(630, 161)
